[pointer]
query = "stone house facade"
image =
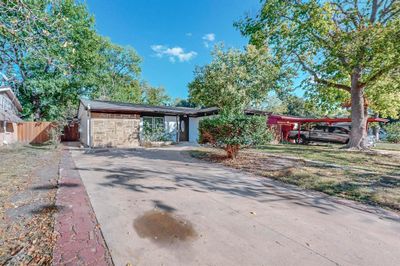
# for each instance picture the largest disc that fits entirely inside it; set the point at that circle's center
(123, 125)
(115, 130)
(9, 109)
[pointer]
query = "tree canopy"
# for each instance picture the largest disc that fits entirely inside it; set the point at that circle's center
(348, 49)
(154, 95)
(236, 79)
(118, 75)
(48, 50)
(52, 55)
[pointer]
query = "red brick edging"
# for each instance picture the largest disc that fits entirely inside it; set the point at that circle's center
(80, 241)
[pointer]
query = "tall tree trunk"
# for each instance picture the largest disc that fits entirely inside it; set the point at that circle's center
(359, 114)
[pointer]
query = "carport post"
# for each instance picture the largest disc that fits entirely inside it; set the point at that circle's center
(88, 129)
(298, 133)
(177, 128)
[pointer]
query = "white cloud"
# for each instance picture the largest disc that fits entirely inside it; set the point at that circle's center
(173, 53)
(208, 38)
(189, 34)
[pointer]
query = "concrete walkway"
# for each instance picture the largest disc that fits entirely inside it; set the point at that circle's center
(160, 207)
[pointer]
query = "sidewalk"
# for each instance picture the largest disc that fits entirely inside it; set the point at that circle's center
(80, 241)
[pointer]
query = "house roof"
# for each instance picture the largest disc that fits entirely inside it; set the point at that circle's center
(8, 116)
(118, 107)
(12, 97)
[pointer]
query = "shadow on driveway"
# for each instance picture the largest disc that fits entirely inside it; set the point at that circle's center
(183, 171)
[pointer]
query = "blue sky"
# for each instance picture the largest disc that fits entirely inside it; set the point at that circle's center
(172, 37)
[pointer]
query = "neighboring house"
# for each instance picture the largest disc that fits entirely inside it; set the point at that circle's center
(9, 109)
(114, 124)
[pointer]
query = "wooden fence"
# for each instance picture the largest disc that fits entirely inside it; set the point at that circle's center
(34, 132)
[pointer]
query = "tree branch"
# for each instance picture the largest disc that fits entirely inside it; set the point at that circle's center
(387, 9)
(390, 16)
(374, 11)
(320, 80)
(378, 74)
(348, 15)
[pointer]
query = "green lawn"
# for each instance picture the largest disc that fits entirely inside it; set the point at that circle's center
(388, 146)
(369, 177)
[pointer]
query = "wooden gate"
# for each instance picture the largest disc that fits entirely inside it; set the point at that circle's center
(71, 132)
(35, 132)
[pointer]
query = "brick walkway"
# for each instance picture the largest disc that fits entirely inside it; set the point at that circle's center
(80, 241)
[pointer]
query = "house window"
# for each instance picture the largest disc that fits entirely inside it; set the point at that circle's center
(9, 127)
(153, 122)
(159, 122)
(6, 127)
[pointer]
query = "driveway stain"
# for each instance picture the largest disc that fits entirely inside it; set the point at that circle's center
(164, 228)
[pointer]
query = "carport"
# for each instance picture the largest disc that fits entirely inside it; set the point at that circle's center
(284, 124)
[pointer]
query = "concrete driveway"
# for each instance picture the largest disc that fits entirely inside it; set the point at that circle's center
(161, 207)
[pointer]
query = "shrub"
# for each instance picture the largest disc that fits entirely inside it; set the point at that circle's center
(393, 132)
(233, 132)
(150, 134)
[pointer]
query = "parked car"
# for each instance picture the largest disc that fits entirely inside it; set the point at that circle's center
(321, 133)
(371, 133)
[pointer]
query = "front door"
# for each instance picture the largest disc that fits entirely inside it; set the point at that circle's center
(183, 128)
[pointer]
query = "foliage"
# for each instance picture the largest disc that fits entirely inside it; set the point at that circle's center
(393, 132)
(344, 46)
(298, 106)
(52, 55)
(234, 131)
(150, 134)
(178, 102)
(154, 95)
(386, 95)
(118, 74)
(275, 105)
(55, 136)
(235, 79)
(289, 104)
(48, 50)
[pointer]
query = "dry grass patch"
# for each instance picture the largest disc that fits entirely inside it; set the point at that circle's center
(371, 178)
(26, 213)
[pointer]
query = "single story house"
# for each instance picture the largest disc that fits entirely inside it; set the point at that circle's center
(115, 124)
(9, 109)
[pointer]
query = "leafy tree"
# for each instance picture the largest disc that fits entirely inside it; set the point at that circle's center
(344, 45)
(118, 76)
(235, 79)
(49, 50)
(53, 55)
(275, 105)
(386, 102)
(184, 103)
(296, 106)
(231, 132)
(393, 132)
(154, 95)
